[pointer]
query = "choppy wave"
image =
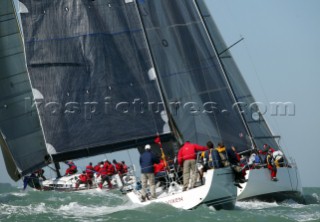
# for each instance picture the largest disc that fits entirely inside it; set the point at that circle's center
(31, 209)
(312, 198)
(81, 211)
(100, 205)
(255, 205)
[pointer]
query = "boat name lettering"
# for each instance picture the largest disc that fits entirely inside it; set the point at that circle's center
(175, 200)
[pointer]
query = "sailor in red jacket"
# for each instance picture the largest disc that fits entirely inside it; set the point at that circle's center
(118, 166)
(83, 179)
(124, 167)
(271, 165)
(90, 171)
(106, 172)
(160, 173)
(187, 158)
(72, 169)
(110, 169)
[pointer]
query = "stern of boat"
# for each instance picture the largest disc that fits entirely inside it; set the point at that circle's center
(260, 186)
(218, 191)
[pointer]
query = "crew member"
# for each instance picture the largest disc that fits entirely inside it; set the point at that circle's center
(72, 169)
(271, 166)
(187, 158)
(147, 160)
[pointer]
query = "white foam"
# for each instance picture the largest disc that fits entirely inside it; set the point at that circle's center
(17, 194)
(23, 210)
(292, 204)
(305, 216)
(20, 194)
(98, 193)
(77, 210)
(255, 205)
(316, 196)
(60, 199)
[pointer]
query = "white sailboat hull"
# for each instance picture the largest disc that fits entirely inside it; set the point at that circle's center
(218, 191)
(260, 186)
(68, 183)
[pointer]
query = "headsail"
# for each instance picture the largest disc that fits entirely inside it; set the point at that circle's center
(257, 125)
(90, 62)
(21, 138)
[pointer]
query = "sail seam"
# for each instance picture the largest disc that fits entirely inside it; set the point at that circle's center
(83, 35)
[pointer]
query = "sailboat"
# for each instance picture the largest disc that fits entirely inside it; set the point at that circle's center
(259, 184)
(96, 86)
(105, 76)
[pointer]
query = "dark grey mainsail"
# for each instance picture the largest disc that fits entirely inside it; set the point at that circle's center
(254, 119)
(90, 63)
(21, 137)
(192, 77)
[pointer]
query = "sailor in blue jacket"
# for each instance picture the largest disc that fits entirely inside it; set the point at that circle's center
(147, 159)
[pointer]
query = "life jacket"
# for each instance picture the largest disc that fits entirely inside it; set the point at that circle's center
(96, 168)
(270, 160)
(158, 167)
(106, 165)
(73, 169)
(124, 168)
(103, 171)
(110, 170)
(83, 178)
(119, 167)
(221, 149)
(89, 170)
(222, 154)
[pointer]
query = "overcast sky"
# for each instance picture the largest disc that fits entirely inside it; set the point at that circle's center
(279, 59)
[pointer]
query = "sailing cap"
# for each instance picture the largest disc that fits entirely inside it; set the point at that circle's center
(147, 147)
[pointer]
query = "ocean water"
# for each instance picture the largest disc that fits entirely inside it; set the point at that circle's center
(96, 205)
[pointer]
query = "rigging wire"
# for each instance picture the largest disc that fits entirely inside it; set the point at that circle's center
(232, 19)
(273, 120)
(250, 58)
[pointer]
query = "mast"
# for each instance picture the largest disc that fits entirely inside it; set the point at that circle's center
(178, 136)
(226, 76)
